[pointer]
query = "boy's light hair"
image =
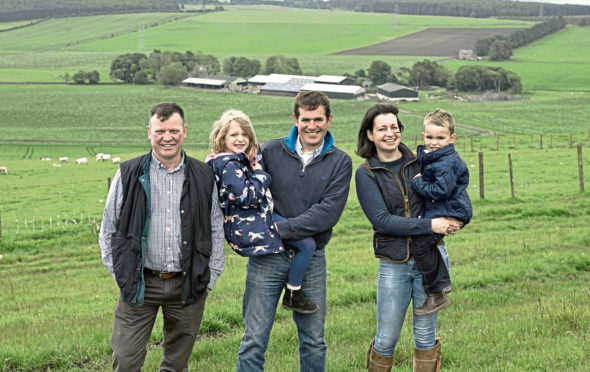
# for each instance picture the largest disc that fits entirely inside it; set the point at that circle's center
(440, 118)
(221, 127)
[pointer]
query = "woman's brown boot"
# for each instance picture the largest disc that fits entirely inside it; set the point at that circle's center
(377, 362)
(428, 360)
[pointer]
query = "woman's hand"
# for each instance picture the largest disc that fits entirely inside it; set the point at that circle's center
(445, 225)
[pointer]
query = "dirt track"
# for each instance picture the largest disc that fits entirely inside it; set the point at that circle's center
(438, 42)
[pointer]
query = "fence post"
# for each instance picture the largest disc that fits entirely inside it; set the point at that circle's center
(514, 142)
(481, 193)
(570, 142)
(551, 140)
(511, 175)
(471, 138)
(541, 142)
(580, 167)
(415, 141)
(108, 184)
(497, 143)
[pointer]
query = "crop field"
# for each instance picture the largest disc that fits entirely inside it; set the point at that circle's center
(442, 42)
(520, 269)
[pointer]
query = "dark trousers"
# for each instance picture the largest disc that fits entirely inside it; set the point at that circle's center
(133, 326)
(435, 275)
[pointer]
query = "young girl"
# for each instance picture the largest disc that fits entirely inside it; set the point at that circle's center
(247, 204)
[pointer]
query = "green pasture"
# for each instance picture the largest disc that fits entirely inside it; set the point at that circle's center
(117, 114)
(520, 272)
(560, 61)
(44, 52)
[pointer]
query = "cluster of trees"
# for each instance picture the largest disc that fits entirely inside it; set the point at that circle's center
(167, 68)
(499, 47)
(14, 10)
(461, 8)
(83, 77)
(244, 67)
(429, 73)
(487, 78)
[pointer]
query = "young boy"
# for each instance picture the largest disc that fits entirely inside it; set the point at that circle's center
(442, 184)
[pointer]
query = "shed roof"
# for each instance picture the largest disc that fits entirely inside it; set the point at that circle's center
(350, 89)
(204, 81)
(391, 87)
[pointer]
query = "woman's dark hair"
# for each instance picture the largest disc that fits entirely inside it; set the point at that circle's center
(364, 147)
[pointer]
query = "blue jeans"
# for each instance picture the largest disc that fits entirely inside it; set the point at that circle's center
(265, 279)
(397, 284)
(305, 248)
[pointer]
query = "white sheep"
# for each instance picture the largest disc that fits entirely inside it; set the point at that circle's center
(106, 157)
(116, 160)
(82, 161)
(3, 170)
(63, 159)
(55, 165)
(99, 156)
(45, 158)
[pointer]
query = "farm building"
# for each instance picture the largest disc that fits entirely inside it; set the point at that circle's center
(334, 79)
(210, 82)
(396, 92)
(466, 54)
(337, 91)
(260, 80)
(290, 88)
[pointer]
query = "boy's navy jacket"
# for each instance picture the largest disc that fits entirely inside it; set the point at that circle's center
(443, 184)
(248, 224)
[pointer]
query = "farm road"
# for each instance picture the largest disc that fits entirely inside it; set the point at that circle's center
(437, 42)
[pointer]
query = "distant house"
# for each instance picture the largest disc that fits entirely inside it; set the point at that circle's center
(395, 92)
(337, 91)
(466, 54)
(209, 82)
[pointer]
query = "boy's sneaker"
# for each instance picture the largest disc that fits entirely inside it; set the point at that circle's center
(296, 301)
(434, 302)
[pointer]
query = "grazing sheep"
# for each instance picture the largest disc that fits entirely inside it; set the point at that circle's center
(116, 160)
(56, 165)
(106, 157)
(45, 158)
(82, 161)
(99, 156)
(64, 159)
(3, 170)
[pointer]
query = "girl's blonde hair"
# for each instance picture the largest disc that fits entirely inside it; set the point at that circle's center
(221, 127)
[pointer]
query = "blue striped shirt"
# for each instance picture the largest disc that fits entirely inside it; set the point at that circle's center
(164, 235)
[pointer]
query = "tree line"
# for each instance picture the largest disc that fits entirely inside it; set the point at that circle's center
(429, 73)
(170, 68)
(499, 47)
(461, 8)
(15, 10)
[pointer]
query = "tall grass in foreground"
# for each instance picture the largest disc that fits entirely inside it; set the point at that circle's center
(520, 275)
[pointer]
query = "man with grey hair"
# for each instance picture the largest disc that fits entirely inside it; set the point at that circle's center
(162, 240)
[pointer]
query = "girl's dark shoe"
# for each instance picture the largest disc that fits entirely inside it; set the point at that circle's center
(296, 301)
(434, 302)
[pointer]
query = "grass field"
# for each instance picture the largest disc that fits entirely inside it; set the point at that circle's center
(520, 269)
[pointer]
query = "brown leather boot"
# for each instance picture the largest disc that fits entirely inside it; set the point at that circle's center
(296, 301)
(434, 302)
(377, 362)
(428, 360)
